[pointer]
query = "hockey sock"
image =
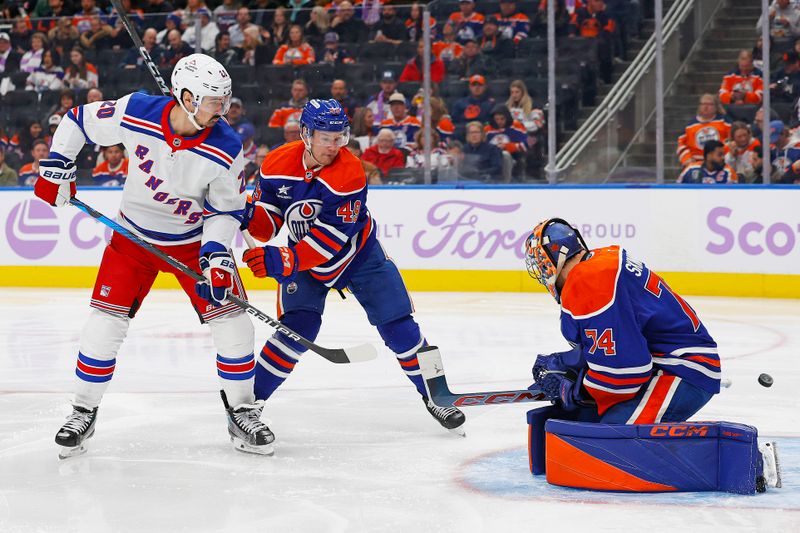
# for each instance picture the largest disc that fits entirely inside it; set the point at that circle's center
(404, 338)
(280, 353)
(100, 341)
(234, 336)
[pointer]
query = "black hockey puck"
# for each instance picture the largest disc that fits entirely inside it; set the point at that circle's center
(765, 380)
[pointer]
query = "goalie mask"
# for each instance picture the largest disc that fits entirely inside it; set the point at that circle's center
(209, 83)
(547, 249)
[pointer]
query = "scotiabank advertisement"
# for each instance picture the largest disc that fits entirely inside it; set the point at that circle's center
(672, 229)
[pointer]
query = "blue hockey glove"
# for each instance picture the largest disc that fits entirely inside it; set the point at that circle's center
(273, 261)
(559, 376)
(218, 267)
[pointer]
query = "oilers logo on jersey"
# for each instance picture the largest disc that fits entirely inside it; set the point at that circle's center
(706, 134)
(300, 216)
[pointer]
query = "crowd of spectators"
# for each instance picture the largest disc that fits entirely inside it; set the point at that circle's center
(63, 51)
(723, 143)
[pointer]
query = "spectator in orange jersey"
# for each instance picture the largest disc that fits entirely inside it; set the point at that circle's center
(293, 108)
(80, 74)
(741, 155)
(413, 69)
(383, 154)
(708, 125)
(114, 168)
(467, 22)
(401, 123)
(30, 171)
(297, 51)
(448, 48)
(592, 22)
(744, 85)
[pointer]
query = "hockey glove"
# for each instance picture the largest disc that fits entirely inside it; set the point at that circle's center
(559, 377)
(273, 261)
(218, 268)
(56, 183)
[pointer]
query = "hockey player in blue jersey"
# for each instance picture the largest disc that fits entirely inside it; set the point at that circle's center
(641, 354)
(319, 192)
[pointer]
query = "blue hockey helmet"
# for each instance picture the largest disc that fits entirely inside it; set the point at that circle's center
(551, 243)
(324, 115)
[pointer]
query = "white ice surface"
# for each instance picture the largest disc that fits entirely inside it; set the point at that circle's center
(356, 449)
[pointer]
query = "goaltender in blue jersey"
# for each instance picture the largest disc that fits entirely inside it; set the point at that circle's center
(641, 365)
(641, 354)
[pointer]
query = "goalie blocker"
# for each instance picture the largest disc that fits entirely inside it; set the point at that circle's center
(668, 457)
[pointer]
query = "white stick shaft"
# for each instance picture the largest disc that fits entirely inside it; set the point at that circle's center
(251, 243)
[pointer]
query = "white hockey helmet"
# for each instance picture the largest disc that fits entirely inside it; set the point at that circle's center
(207, 80)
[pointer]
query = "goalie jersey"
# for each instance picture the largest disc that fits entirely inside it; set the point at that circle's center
(630, 324)
(176, 186)
(324, 210)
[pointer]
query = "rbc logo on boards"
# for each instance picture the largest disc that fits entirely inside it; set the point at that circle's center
(32, 229)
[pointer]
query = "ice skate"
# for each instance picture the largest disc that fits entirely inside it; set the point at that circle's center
(248, 433)
(771, 475)
(73, 434)
(451, 418)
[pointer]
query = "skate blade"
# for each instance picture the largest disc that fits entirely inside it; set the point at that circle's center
(240, 445)
(66, 452)
(458, 431)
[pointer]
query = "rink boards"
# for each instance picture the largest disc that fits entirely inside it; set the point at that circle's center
(731, 241)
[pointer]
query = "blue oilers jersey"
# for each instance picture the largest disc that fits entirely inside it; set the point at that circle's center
(178, 189)
(630, 324)
(323, 209)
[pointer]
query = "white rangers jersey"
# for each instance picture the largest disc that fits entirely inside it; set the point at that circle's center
(176, 186)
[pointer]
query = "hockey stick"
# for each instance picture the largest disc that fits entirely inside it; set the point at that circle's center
(355, 354)
(432, 370)
(137, 42)
(362, 352)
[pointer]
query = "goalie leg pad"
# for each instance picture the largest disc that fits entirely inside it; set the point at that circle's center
(234, 336)
(101, 339)
(669, 457)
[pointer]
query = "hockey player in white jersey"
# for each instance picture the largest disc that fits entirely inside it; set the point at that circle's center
(185, 193)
